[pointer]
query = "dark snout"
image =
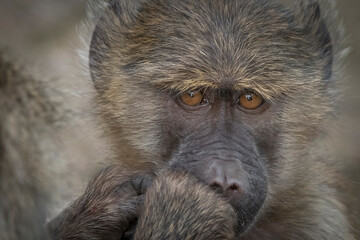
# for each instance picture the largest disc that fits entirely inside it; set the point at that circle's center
(241, 180)
(225, 177)
(230, 163)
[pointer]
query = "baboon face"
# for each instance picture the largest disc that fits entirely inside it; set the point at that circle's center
(231, 91)
(217, 144)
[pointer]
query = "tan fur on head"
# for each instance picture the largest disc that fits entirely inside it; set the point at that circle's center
(149, 49)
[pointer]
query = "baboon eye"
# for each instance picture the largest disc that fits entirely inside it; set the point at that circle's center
(192, 98)
(250, 100)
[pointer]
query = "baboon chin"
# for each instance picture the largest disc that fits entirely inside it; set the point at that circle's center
(235, 93)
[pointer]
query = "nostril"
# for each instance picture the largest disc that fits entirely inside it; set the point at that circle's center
(216, 186)
(234, 188)
(234, 192)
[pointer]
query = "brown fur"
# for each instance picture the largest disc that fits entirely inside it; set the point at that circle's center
(143, 55)
(178, 206)
(95, 215)
(25, 114)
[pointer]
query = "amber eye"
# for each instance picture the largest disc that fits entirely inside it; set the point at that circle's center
(192, 98)
(250, 100)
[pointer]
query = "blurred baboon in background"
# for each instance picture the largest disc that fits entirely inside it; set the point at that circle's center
(25, 115)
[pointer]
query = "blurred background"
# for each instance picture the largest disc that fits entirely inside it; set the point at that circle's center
(45, 35)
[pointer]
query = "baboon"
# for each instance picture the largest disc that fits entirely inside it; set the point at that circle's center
(177, 206)
(25, 114)
(236, 93)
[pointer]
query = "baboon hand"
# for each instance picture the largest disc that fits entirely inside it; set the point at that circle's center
(107, 210)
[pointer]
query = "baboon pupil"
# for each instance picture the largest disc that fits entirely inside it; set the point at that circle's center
(249, 97)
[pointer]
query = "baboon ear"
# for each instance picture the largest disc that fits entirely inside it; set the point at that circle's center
(117, 18)
(308, 16)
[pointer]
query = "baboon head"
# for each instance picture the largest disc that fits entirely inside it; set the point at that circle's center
(231, 91)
